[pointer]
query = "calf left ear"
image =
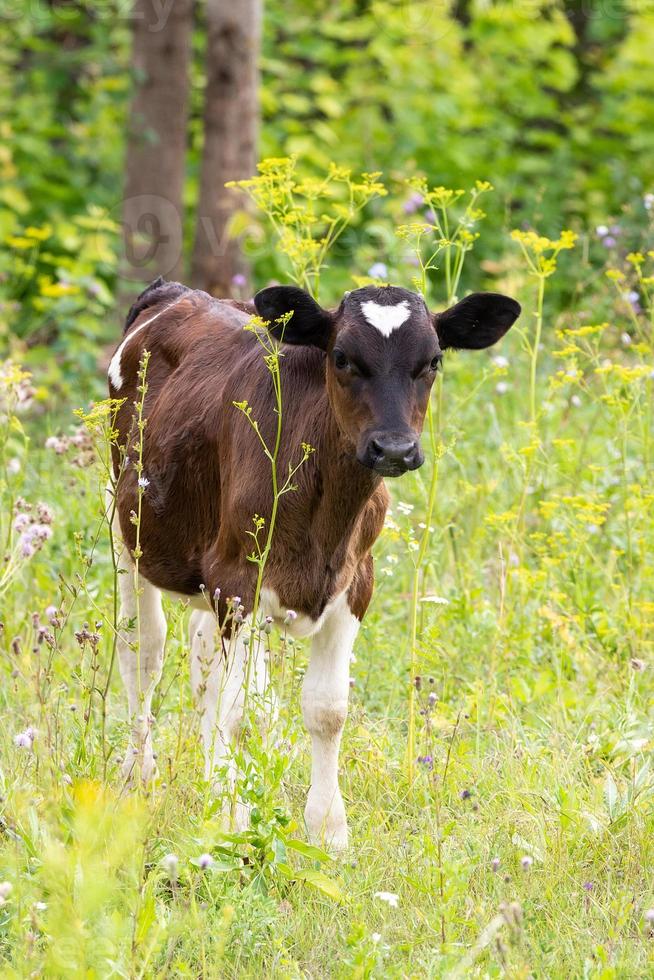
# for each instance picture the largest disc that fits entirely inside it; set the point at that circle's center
(309, 324)
(477, 321)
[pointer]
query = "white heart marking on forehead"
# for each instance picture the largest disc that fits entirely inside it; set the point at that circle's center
(386, 319)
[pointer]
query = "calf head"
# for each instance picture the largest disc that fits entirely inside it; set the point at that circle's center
(383, 350)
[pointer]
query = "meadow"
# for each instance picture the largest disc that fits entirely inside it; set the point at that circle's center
(496, 763)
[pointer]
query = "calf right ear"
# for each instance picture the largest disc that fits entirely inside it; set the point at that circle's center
(309, 323)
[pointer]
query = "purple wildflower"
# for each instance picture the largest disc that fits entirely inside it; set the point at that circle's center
(25, 740)
(21, 522)
(413, 203)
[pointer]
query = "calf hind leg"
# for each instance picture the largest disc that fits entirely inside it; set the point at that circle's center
(141, 641)
(218, 681)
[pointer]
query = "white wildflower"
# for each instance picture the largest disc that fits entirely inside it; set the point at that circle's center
(389, 897)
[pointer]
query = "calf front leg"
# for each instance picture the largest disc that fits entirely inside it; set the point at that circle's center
(324, 706)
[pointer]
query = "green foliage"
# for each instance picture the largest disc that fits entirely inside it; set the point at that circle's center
(516, 838)
(548, 100)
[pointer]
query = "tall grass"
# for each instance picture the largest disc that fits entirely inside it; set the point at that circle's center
(513, 837)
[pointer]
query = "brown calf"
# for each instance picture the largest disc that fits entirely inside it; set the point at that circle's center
(355, 384)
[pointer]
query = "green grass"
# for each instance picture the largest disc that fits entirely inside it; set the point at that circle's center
(540, 735)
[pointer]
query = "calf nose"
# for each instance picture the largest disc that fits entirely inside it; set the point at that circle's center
(391, 455)
(393, 450)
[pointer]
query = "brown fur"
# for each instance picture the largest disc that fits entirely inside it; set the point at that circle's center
(208, 474)
(345, 386)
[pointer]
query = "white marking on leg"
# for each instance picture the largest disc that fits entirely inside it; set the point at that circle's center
(324, 706)
(218, 681)
(114, 372)
(141, 662)
(386, 319)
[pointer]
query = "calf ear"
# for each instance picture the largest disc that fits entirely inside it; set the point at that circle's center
(309, 324)
(477, 321)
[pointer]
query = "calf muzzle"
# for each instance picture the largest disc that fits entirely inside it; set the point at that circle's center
(392, 454)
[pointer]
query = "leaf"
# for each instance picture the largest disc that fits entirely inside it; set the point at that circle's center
(610, 794)
(320, 881)
(593, 822)
(527, 847)
(308, 850)
(145, 919)
(234, 865)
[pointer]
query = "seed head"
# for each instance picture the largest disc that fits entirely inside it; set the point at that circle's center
(170, 864)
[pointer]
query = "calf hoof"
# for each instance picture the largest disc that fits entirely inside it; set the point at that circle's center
(327, 829)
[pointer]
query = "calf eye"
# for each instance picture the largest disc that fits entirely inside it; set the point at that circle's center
(340, 360)
(430, 368)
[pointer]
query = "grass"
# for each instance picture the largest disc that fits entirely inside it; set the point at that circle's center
(519, 842)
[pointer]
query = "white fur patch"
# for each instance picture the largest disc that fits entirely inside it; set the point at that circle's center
(114, 372)
(386, 319)
(302, 626)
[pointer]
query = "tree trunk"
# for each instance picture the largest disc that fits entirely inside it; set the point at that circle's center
(152, 209)
(230, 136)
